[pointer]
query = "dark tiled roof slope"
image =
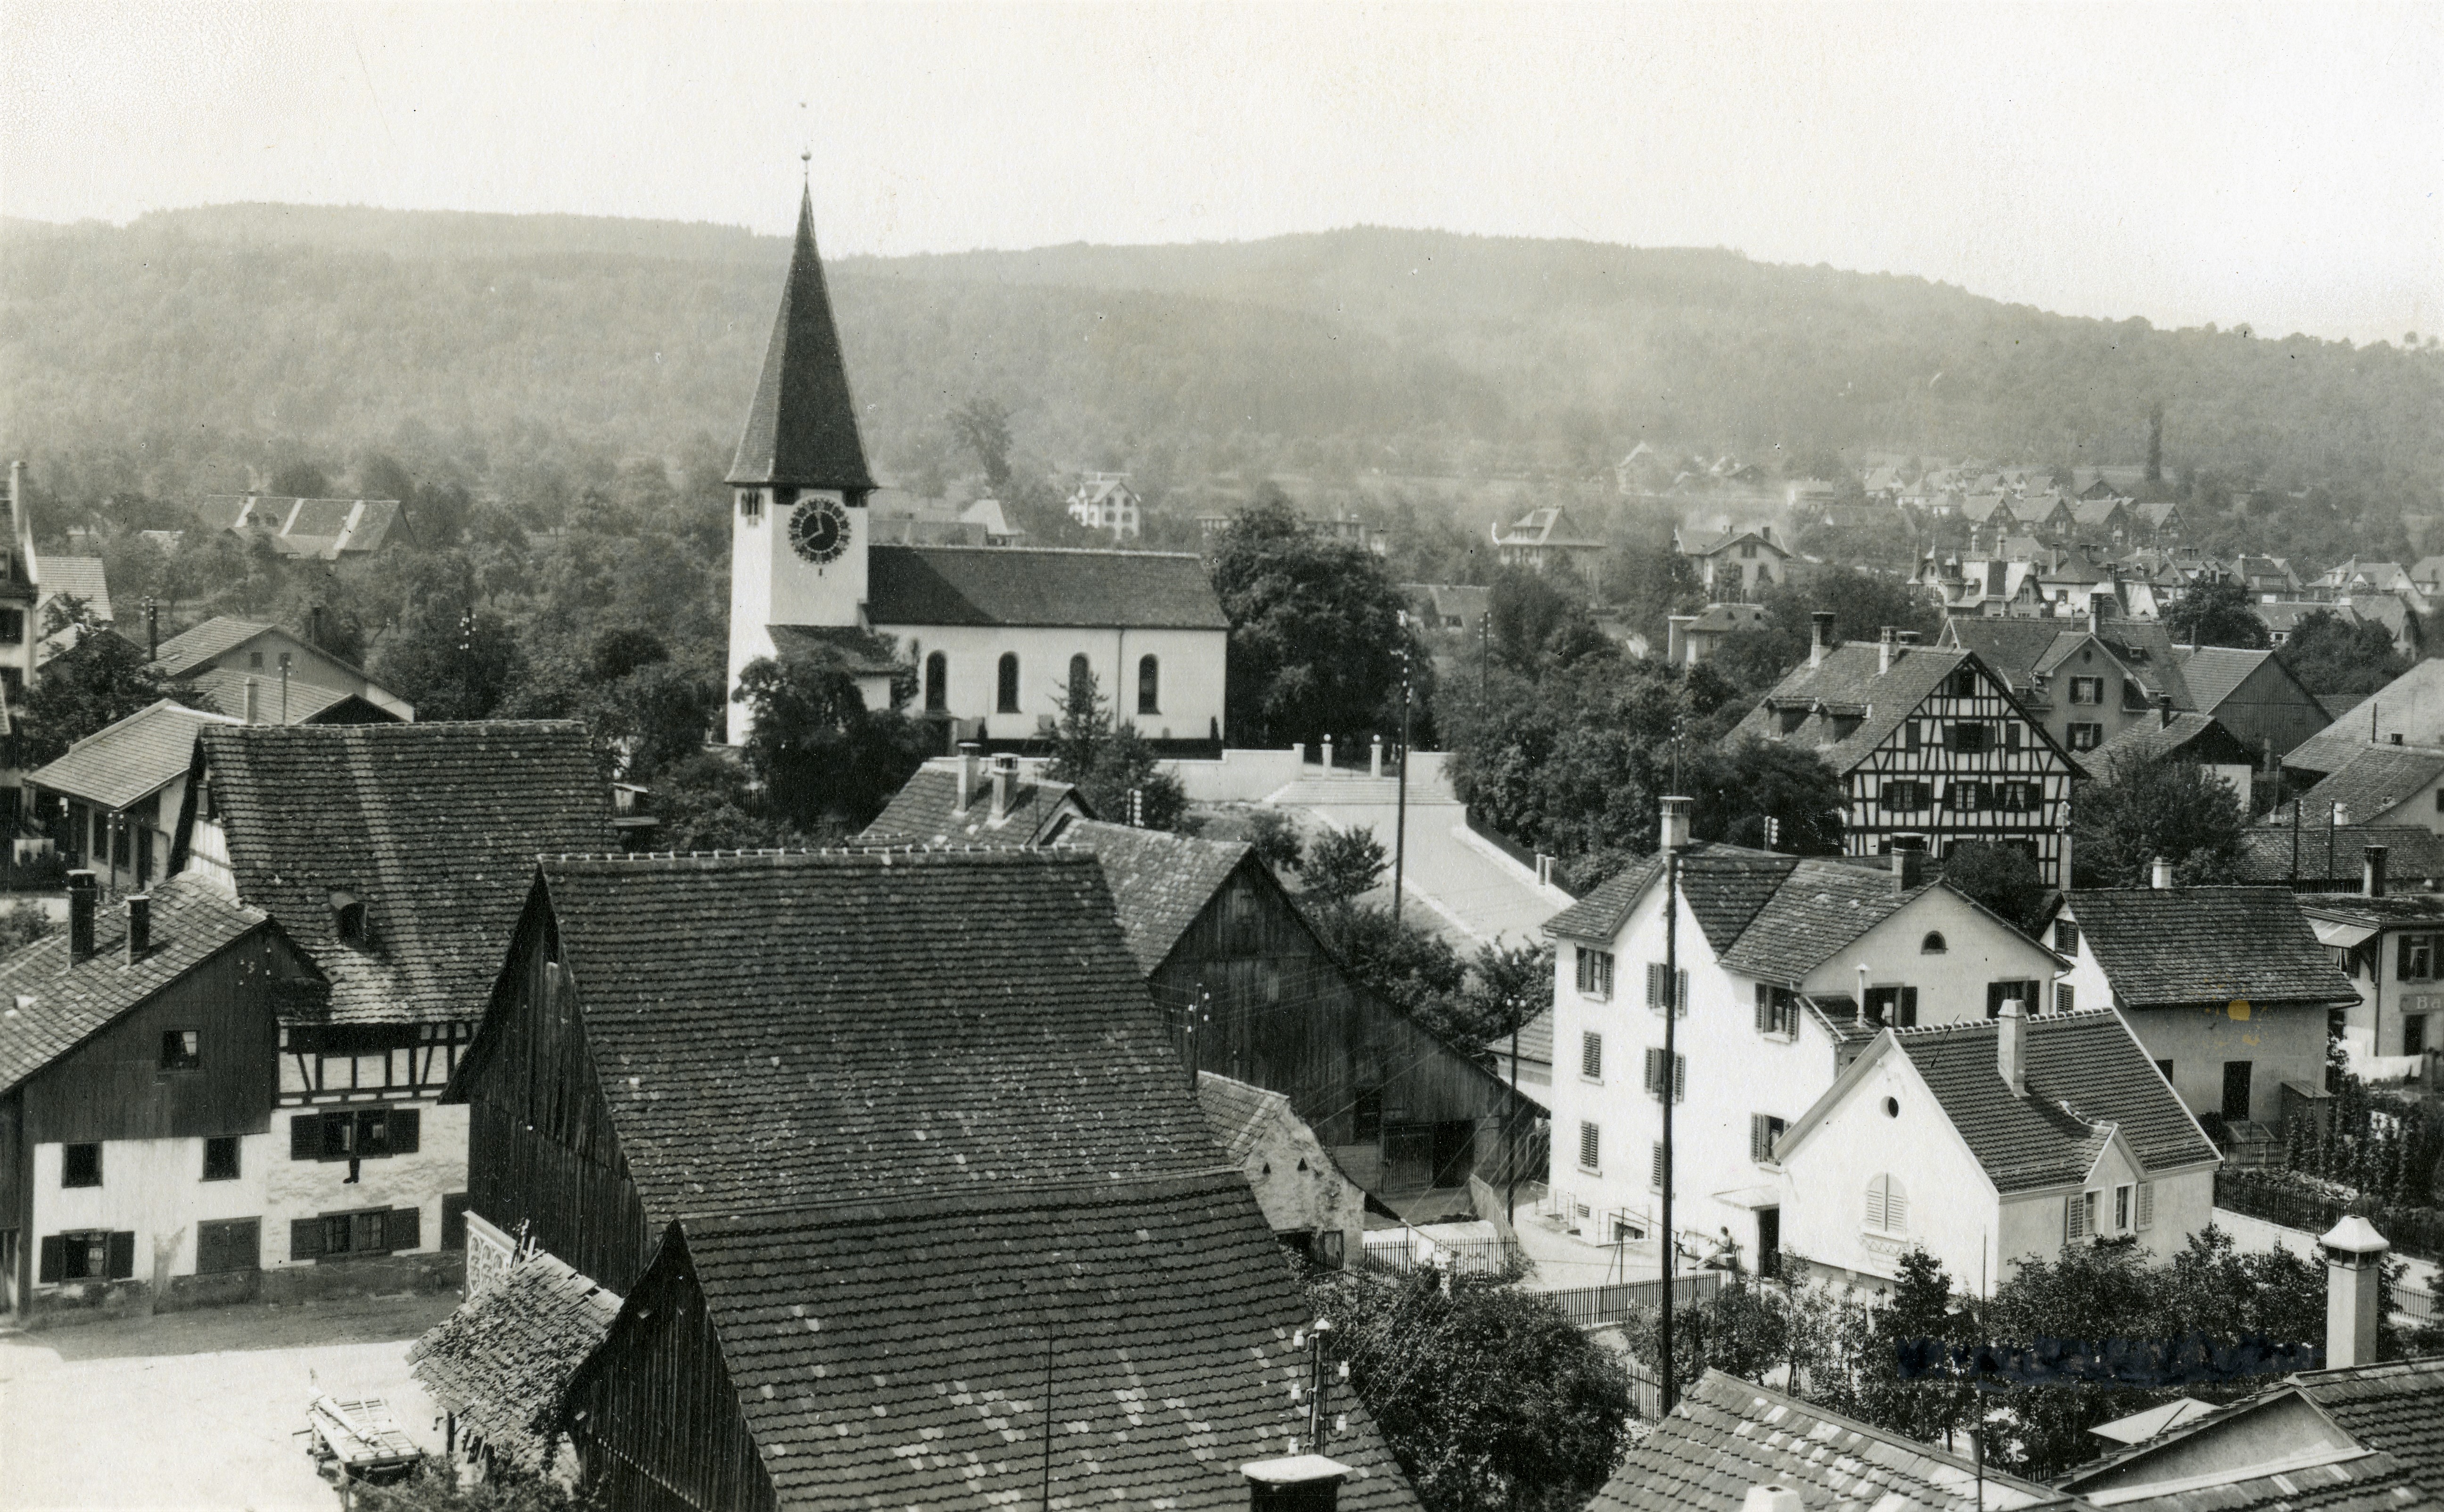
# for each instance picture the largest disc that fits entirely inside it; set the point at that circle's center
(2396, 1407)
(78, 578)
(184, 652)
(2011, 647)
(2214, 672)
(301, 703)
(1725, 1436)
(501, 1361)
(778, 1029)
(897, 1358)
(1160, 882)
(2167, 946)
(1848, 677)
(1723, 885)
(2374, 779)
(802, 425)
(2411, 706)
(1016, 585)
(925, 811)
(2088, 1060)
(2194, 737)
(433, 827)
(122, 761)
(2394, 908)
(1820, 907)
(2411, 853)
(1237, 1113)
(49, 1006)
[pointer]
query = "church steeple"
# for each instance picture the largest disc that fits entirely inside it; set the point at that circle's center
(802, 429)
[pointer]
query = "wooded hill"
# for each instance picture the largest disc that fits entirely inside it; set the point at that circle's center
(172, 355)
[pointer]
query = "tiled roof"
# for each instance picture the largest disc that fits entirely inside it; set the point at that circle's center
(2185, 945)
(2413, 852)
(2392, 909)
(304, 702)
(898, 1355)
(1160, 882)
(1535, 1041)
(1848, 677)
(48, 1007)
(2214, 672)
(777, 1029)
(925, 810)
(1552, 527)
(1726, 1436)
(2285, 615)
(802, 425)
(1021, 585)
(2373, 779)
(501, 1361)
(80, 577)
(2012, 648)
(1238, 1113)
(190, 649)
(2411, 706)
(129, 759)
(1728, 617)
(2197, 737)
(435, 828)
(1820, 907)
(1723, 885)
(2396, 1407)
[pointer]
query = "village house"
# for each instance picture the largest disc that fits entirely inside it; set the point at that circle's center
(113, 801)
(1987, 1143)
(2392, 783)
(2160, 521)
(266, 676)
(1694, 639)
(1788, 965)
(2228, 988)
(963, 801)
(138, 1065)
(1104, 501)
(2389, 942)
(1308, 1201)
(2252, 695)
(2407, 710)
(396, 857)
(2103, 520)
(2268, 578)
(30, 586)
(986, 1131)
(1546, 537)
(324, 529)
(2085, 679)
(2330, 857)
(1450, 606)
(1737, 565)
(997, 635)
(2199, 740)
(1930, 748)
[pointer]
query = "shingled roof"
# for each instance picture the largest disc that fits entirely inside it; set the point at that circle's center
(1724, 886)
(1853, 707)
(129, 758)
(2271, 853)
(1238, 1113)
(501, 1362)
(1160, 882)
(802, 425)
(897, 1354)
(773, 1029)
(433, 828)
(2187, 946)
(53, 1005)
(925, 811)
(1725, 1436)
(2190, 737)
(1016, 585)
(191, 648)
(2373, 780)
(299, 703)
(2215, 672)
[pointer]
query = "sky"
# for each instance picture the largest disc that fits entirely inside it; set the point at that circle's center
(2265, 164)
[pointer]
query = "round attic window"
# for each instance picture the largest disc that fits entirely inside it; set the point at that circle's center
(1892, 1107)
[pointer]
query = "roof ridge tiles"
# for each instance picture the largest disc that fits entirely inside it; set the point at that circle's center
(1014, 1195)
(1969, 1025)
(1048, 551)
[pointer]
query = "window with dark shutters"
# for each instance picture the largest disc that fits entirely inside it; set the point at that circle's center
(305, 1239)
(404, 1126)
(305, 1136)
(228, 1245)
(1654, 1074)
(403, 1229)
(453, 1220)
(54, 1259)
(122, 1255)
(1764, 1129)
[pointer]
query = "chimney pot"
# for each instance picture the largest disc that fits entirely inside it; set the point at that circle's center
(2160, 874)
(2372, 869)
(84, 898)
(971, 757)
(1005, 784)
(1295, 1483)
(2354, 1254)
(1884, 650)
(1820, 636)
(2012, 1047)
(2341, 816)
(2164, 709)
(1909, 869)
(1676, 822)
(139, 926)
(252, 695)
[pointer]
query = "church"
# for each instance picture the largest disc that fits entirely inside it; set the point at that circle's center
(995, 634)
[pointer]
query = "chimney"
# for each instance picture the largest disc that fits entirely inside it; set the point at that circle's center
(1772, 1499)
(84, 897)
(1005, 783)
(2341, 816)
(971, 757)
(139, 926)
(2164, 711)
(2012, 1047)
(1296, 1482)
(1909, 869)
(1884, 649)
(1909, 637)
(1674, 833)
(1820, 636)
(2354, 1253)
(2372, 870)
(252, 698)
(2160, 874)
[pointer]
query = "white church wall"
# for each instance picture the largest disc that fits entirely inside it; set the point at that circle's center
(1190, 661)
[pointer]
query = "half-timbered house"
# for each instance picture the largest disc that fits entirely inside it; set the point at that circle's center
(398, 856)
(859, 1136)
(137, 1067)
(1931, 747)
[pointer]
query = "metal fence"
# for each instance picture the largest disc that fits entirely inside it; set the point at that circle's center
(1475, 1256)
(1594, 1307)
(2417, 1305)
(2412, 1230)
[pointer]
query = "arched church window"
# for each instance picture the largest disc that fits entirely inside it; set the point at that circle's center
(1006, 699)
(1081, 680)
(1149, 685)
(938, 683)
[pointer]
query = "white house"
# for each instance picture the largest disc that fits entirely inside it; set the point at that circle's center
(1104, 501)
(996, 634)
(1788, 965)
(1984, 1143)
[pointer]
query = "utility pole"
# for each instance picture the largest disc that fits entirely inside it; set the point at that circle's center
(1400, 820)
(1484, 649)
(1510, 1128)
(152, 627)
(1668, 1077)
(284, 688)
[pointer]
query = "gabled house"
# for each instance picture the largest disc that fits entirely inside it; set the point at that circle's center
(2197, 739)
(1450, 606)
(1931, 747)
(2101, 518)
(1104, 501)
(2330, 858)
(2409, 710)
(2228, 988)
(398, 855)
(264, 674)
(2086, 680)
(113, 801)
(2252, 695)
(1740, 565)
(2161, 520)
(2379, 784)
(2267, 579)
(138, 1157)
(1310, 1202)
(1694, 639)
(857, 1136)
(1788, 965)
(1985, 1143)
(1254, 994)
(325, 529)
(1546, 537)
(2389, 942)
(965, 800)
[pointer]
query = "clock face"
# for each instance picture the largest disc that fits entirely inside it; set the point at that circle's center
(819, 530)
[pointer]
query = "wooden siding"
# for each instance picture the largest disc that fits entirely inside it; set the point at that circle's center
(2270, 707)
(16, 1202)
(1251, 994)
(541, 1152)
(113, 1087)
(1922, 749)
(656, 1419)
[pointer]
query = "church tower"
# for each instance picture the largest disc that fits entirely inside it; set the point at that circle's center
(799, 484)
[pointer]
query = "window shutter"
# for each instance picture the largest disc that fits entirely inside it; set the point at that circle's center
(2401, 965)
(1590, 1145)
(122, 1255)
(403, 1229)
(2146, 1205)
(1654, 984)
(453, 1221)
(305, 1136)
(1896, 1205)
(1908, 1012)
(1591, 1056)
(1655, 1176)
(1654, 1070)
(2064, 997)
(1876, 1201)
(1765, 1014)
(1682, 1002)
(1760, 1142)
(1679, 1079)
(55, 1259)
(2075, 1217)
(405, 1124)
(305, 1239)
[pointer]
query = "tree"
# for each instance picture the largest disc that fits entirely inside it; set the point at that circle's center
(1757, 791)
(2217, 614)
(101, 679)
(1413, 970)
(2160, 807)
(1275, 836)
(2002, 877)
(1488, 1397)
(1113, 766)
(1541, 618)
(452, 660)
(1506, 985)
(708, 803)
(982, 426)
(1316, 632)
(2330, 655)
(827, 765)
(1343, 863)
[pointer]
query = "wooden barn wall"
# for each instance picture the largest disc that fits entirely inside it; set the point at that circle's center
(1255, 997)
(663, 1431)
(540, 1147)
(113, 1087)
(17, 1200)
